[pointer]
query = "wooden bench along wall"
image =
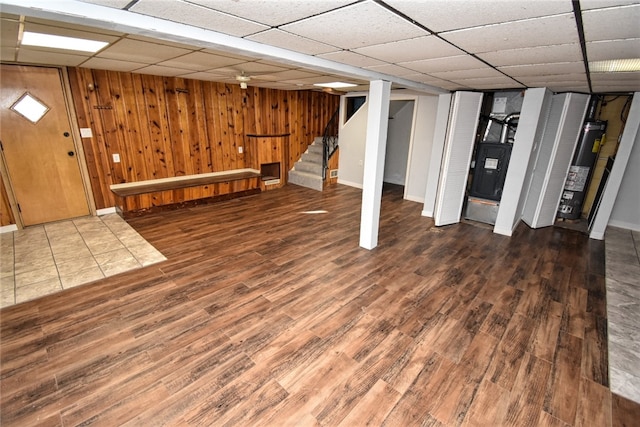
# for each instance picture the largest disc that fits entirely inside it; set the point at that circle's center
(167, 127)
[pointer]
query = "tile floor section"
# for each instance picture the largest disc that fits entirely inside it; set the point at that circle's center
(44, 259)
(622, 248)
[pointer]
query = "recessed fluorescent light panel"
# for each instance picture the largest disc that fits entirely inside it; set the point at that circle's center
(335, 85)
(615, 66)
(61, 42)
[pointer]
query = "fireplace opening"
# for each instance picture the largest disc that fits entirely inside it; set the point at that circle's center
(270, 171)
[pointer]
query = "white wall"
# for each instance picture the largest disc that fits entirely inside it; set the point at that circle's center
(626, 210)
(351, 140)
(535, 108)
(352, 144)
(423, 131)
(398, 141)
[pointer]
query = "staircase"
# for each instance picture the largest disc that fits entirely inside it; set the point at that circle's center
(307, 172)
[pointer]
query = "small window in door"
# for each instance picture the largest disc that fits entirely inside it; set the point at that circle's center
(30, 107)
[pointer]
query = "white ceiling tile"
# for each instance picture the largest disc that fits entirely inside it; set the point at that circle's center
(538, 80)
(285, 40)
(615, 77)
(270, 13)
(119, 4)
(203, 76)
(112, 64)
(543, 69)
(392, 69)
(502, 82)
(198, 16)
(567, 87)
(445, 15)
(65, 26)
(614, 23)
(600, 4)
(613, 49)
(410, 50)
(7, 54)
(358, 25)
(158, 70)
(286, 75)
(559, 29)
(139, 51)
(613, 88)
(467, 74)
(249, 68)
(8, 32)
(47, 57)
(200, 61)
(351, 58)
(453, 63)
(534, 55)
(69, 32)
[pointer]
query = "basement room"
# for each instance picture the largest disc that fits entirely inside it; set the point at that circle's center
(320, 213)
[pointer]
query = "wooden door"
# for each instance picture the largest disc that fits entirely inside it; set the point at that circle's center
(40, 153)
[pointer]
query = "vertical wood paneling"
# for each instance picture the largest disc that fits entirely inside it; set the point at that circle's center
(165, 126)
(6, 215)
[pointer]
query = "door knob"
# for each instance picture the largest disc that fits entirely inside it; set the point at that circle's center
(66, 134)
(71, 153)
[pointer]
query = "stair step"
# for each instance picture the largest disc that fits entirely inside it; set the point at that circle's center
(305, 179)
(309, 167)
(312, 158)
(316, 149)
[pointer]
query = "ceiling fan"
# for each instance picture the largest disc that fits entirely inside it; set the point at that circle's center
(243, 79)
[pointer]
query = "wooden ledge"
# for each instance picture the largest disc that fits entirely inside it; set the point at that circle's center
(177, 182)
(269, 135)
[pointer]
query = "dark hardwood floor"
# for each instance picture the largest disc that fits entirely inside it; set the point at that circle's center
(265, 315)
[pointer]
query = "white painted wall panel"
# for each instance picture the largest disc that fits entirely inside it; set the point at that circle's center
(621, 191)
(533, 116)
(459, 143)
(437, 149)
(554, 158)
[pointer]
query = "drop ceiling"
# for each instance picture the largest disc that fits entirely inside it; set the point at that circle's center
(428, 45)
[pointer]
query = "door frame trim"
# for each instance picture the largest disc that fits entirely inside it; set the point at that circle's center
(77, 143)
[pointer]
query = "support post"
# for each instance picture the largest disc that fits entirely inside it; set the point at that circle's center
(375, 147)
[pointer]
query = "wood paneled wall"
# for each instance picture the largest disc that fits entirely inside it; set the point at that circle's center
(164, 127)
(6, 215)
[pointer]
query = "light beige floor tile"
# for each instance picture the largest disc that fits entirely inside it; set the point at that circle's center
(116, 262)
(80, 252)
(26, 264)
(81, 277)
(35, 276)
(6, 242)
(146, 254)
(75, 265)
(6, 263)
(36, 290)
(58, 229)
(70, 244)
(7, 292)
(100, 246)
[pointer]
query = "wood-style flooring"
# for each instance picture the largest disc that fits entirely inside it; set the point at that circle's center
(264, 315)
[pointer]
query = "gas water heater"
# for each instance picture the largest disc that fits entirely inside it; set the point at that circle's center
(581, 169)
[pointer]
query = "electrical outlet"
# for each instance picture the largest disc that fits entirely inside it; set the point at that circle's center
(116, 158)
(240, 150)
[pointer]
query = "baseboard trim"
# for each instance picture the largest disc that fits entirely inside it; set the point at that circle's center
(106, 211)
(349, 183)
(427, 213)
(625, 225)
(415, 199)
(8, 228)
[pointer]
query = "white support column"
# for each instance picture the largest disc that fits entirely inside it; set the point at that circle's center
(375, 146)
